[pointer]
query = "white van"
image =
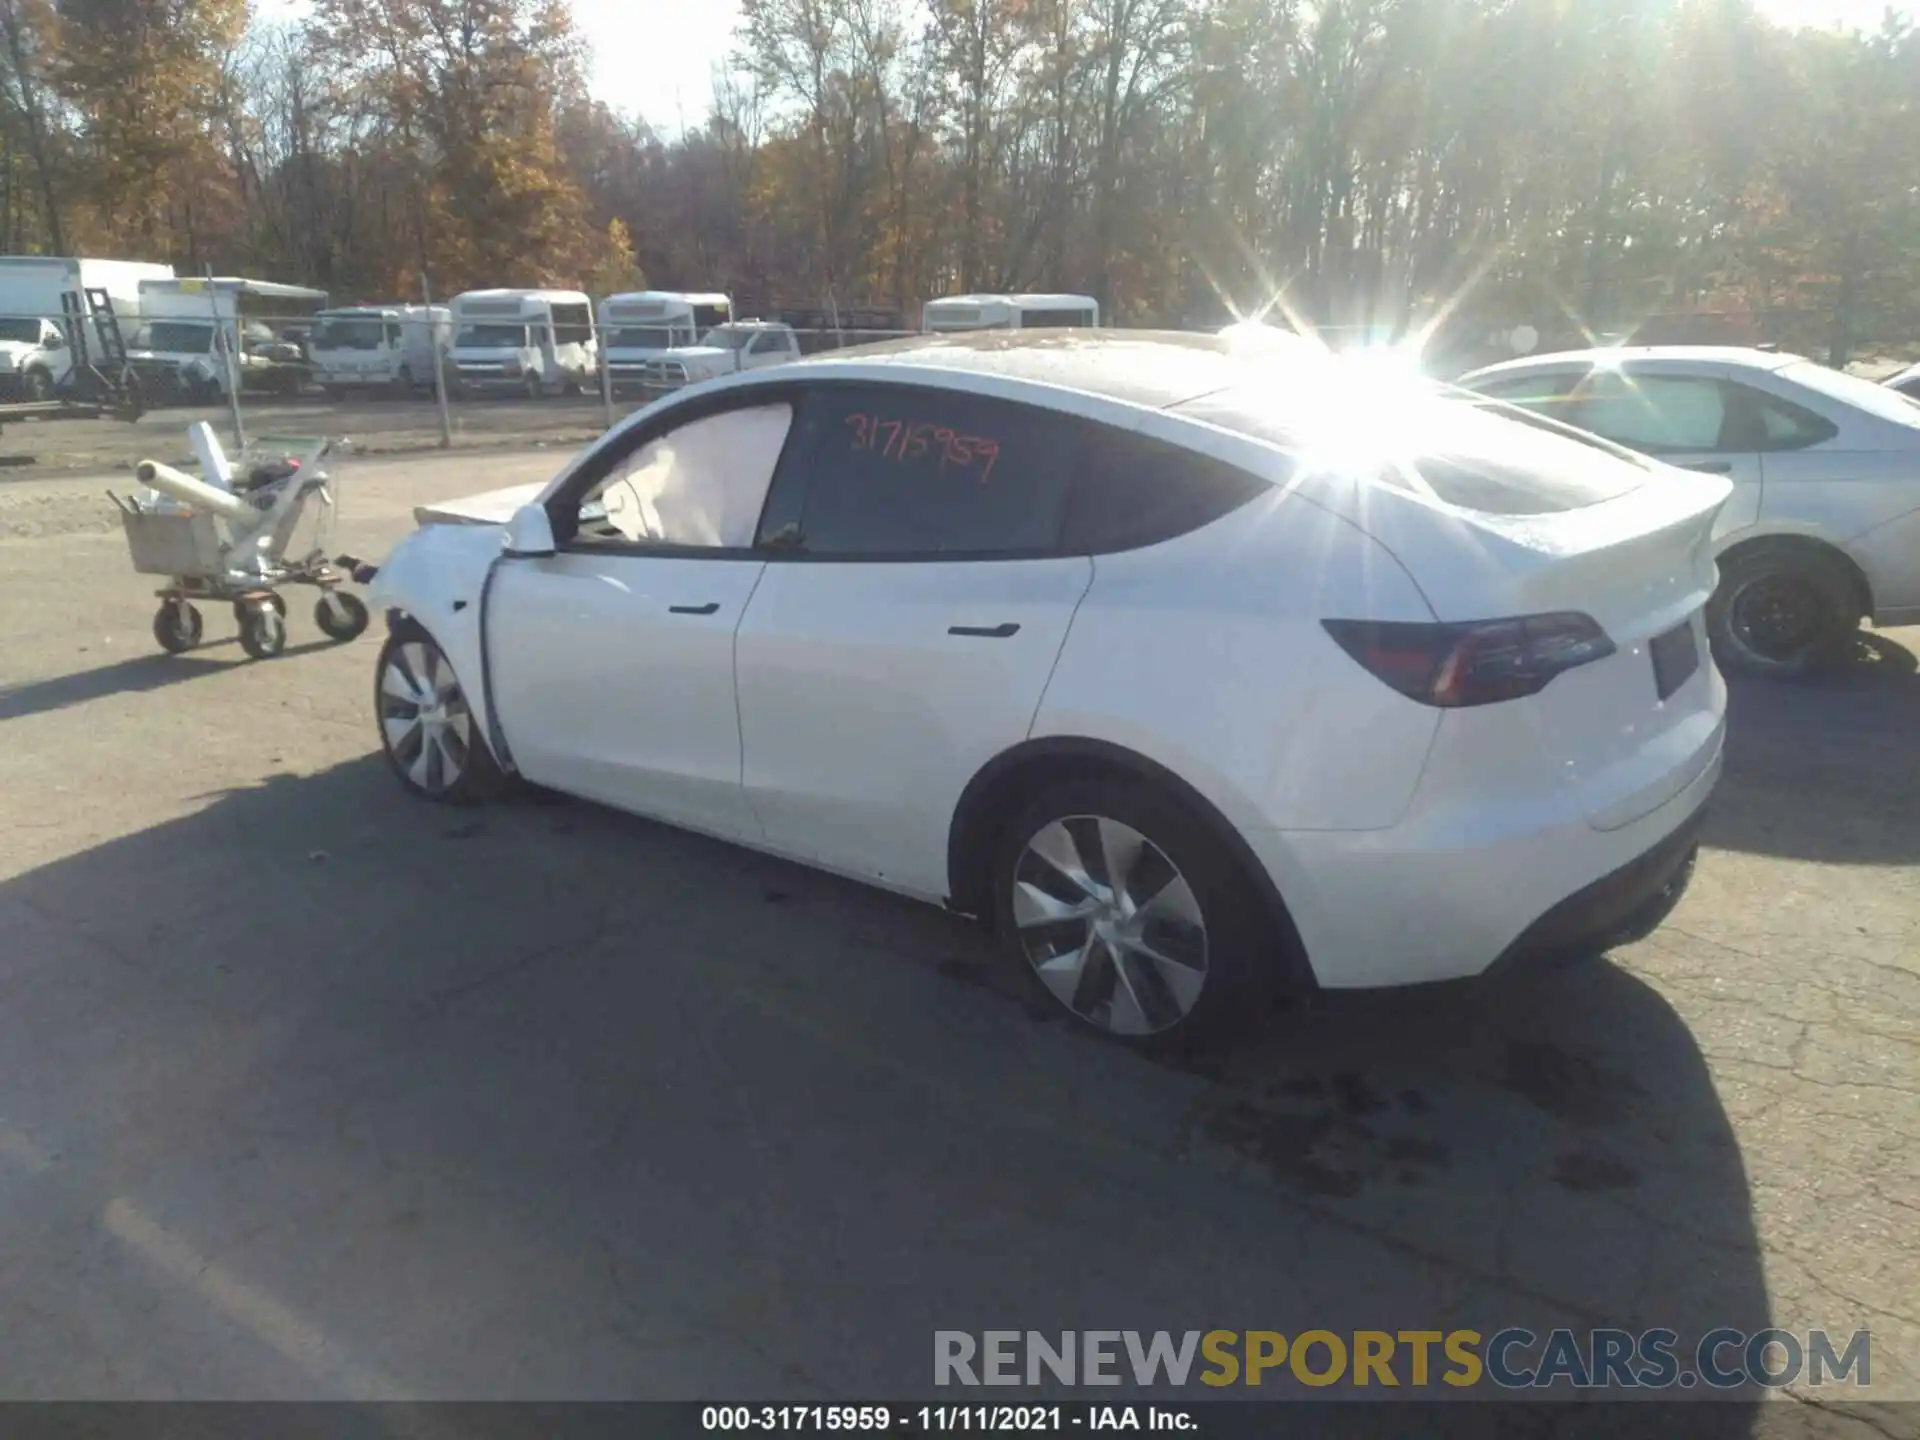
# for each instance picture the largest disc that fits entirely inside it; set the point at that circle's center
(197, 337)
(641, 324)
(527, 342)
(1010, 312)
(36, 352)
(389, 347)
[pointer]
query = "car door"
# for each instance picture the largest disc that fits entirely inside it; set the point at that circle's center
(1684, 418)
(611, 661)
(913, 606)
(768, 347)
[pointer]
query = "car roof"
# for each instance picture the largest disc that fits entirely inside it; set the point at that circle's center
(1154, 368)
(1679, 357)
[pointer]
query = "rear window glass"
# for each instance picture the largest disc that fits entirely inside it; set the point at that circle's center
(1419, 437)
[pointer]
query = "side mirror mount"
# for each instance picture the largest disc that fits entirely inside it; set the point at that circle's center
(529, 532)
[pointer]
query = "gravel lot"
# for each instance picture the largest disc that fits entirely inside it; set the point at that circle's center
(308, 1090)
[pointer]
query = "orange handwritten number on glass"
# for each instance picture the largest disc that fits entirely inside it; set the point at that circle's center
(863, 432)
(893, 427)
(989, 448)
(916, 440)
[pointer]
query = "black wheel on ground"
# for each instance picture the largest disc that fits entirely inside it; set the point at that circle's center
(263, 631)
(340, 615)
(177, 626)
(1785, 612)
(38, 384)
(534, 392)
(428, 731)
(1122, 908)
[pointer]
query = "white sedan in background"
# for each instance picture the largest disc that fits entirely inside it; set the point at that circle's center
(1824, 525)
(1203, 678)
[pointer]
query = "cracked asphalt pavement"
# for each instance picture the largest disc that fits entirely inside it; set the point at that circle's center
(311, 1091)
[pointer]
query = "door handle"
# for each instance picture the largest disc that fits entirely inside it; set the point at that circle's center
(986, 632)
(706, 609)
(1710, 467)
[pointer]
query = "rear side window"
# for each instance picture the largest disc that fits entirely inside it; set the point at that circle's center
(1768, 423)
(894, 472)
(1543, 393)
(1417, 437)
(1131, 491)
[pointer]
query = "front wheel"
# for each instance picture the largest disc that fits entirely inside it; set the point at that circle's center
(1784, 613)
(1124, 910)
(427, 729)
(534, 392)
(38, 384)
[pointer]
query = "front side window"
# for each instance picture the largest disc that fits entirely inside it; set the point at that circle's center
(891, 471)
(1655, 414)
(701, 484)
(346, 333)
(725, 337)
(1543, 392)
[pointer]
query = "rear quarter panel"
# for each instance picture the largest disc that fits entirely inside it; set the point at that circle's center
(1206, 654)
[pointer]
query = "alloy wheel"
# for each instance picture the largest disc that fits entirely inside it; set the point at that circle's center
(424, 717)
(1110, 925)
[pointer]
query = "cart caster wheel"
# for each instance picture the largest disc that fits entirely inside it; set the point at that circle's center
(263, 632)
(339, 615)
(241, 607)
(176, 627)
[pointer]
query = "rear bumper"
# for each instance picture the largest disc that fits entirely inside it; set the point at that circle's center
(1617, 909)
(1429, 901)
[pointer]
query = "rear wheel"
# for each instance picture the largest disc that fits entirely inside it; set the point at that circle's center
(427, 729)
(38, 384)
(1125, 911)
(1782, 612)
(534, 391)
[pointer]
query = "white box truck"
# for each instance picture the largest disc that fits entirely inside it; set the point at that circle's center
(198, 337)
(36, 352)
(386, 347)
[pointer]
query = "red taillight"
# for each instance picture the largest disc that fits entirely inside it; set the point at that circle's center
(1475, 663)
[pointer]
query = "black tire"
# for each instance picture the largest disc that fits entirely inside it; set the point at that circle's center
(177, 627)
(1784, 612)
(37, 384)
(533, 388)
(473, 776)
(263, 631)
(1238, 952)
(341, 615)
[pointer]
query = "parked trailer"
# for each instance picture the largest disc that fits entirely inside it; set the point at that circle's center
(1010, 312)
(38, 293)
(528, 342)
(392, 348)
(198, 338)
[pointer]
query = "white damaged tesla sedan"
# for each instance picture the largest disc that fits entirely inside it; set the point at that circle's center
(1205, 676)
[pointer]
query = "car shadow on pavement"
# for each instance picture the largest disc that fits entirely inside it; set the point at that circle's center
(322, 1092)
(136, 674)
(1825, 769)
